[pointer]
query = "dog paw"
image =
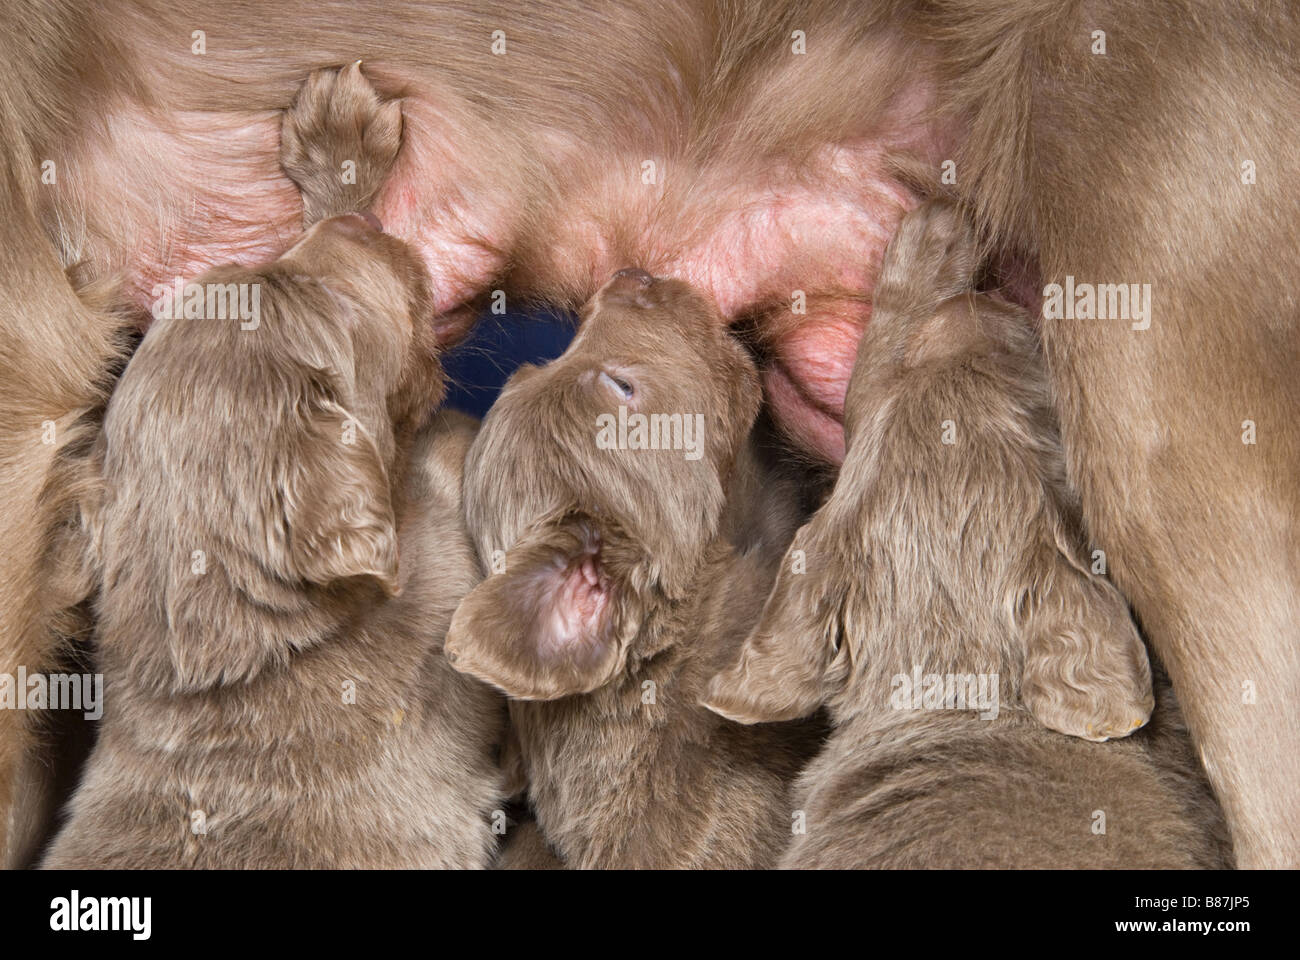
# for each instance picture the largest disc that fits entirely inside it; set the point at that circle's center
(338, 140)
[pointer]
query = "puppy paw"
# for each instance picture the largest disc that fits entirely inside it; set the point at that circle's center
(338, 140)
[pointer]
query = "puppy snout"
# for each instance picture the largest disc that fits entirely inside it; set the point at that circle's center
(631, 279)
(630, 284)
(356, 224)
(635, 273)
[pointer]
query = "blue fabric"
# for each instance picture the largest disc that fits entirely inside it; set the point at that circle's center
(478, 368)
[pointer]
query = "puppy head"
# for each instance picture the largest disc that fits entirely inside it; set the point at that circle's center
(270, 444)
(854, 592)
(359, 354)
(380, 288)
(971, 545)
(595, 485)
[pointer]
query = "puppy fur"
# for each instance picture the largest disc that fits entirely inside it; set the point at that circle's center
(964, 557)
(278, 531)
(615, 595)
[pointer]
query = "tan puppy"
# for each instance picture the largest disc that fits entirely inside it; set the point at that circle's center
(281, 548)
(616, 594)
(941, 604)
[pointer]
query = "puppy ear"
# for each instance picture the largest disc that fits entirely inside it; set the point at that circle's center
(338, 511)
(1086, 669)
(549, 625)
(785, 665)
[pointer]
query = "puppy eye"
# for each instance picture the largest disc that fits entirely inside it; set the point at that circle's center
(618, 385)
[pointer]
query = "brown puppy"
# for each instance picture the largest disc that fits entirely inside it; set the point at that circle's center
(596, 491)
(946, 572)
(281, 545)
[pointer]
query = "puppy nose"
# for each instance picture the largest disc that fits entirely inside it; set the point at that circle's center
(632, 276)
(356, 224)
(631, 284)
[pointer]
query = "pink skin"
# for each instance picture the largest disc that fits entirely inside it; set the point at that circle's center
(820, 229)
(824, 234)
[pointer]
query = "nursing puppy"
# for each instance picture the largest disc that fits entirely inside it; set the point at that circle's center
(951, 548)
(281, 547)
(615, 593)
